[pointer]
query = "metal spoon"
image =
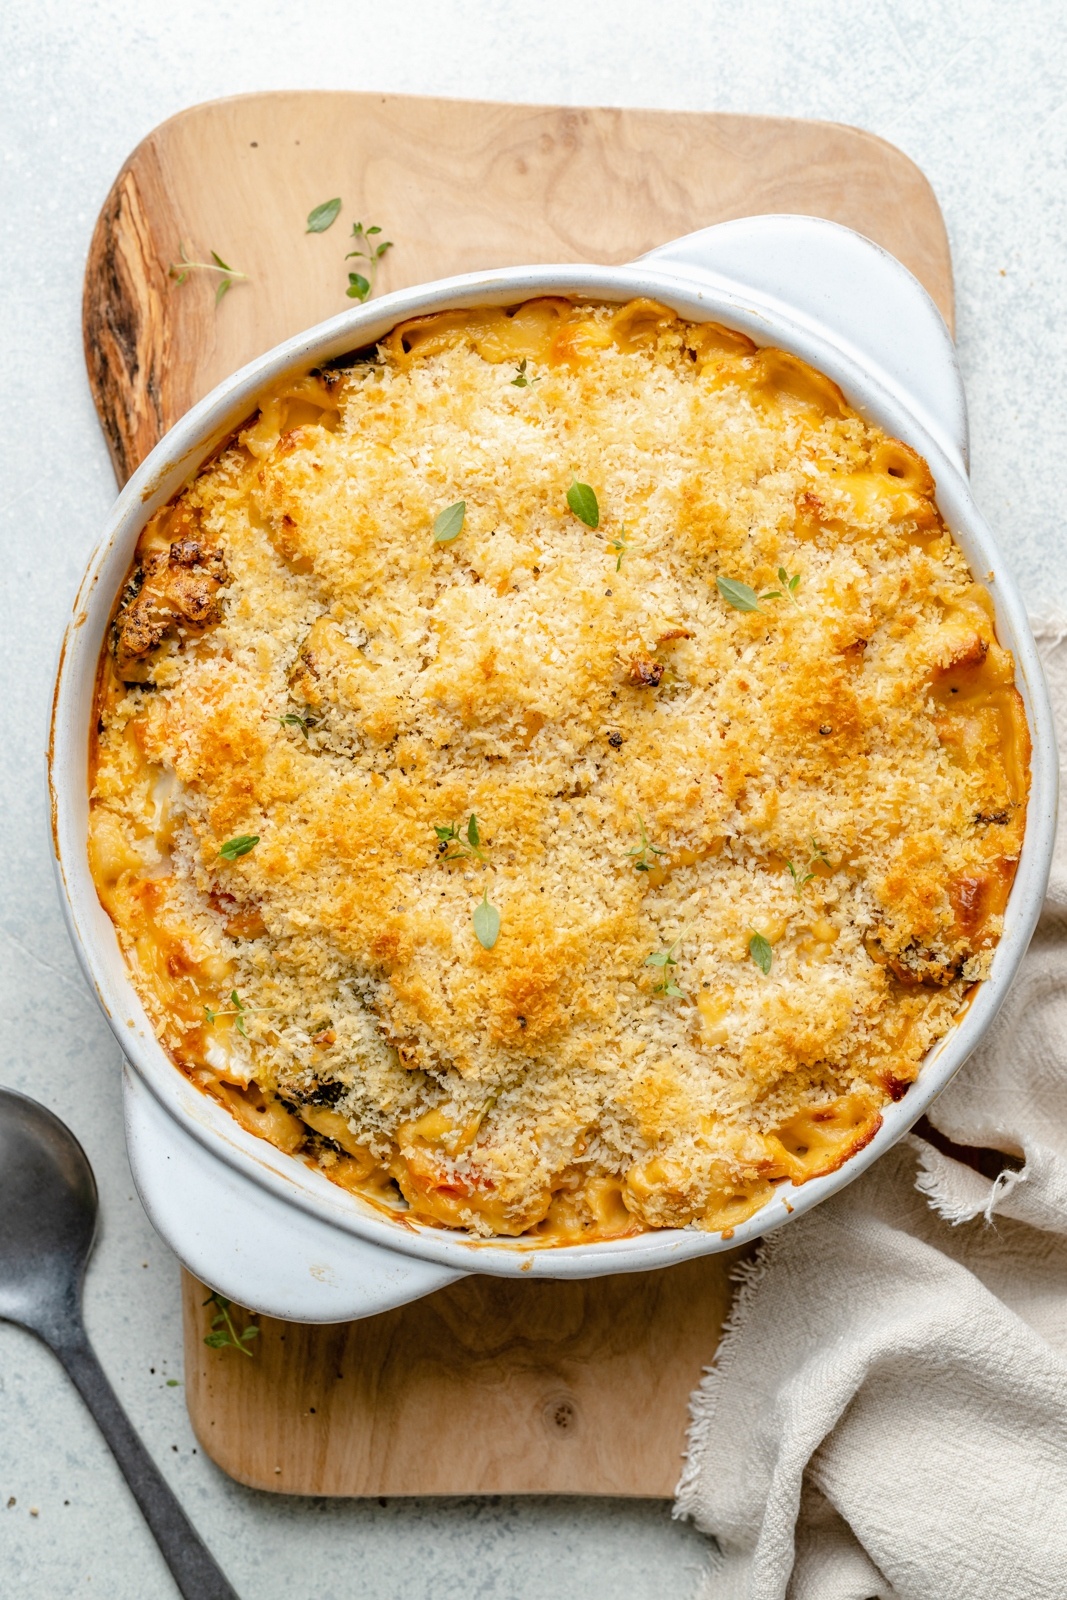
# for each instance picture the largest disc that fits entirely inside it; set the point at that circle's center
(47, 1224)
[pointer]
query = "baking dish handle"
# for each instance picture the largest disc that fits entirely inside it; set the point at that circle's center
(846, 288)
(249, 1245)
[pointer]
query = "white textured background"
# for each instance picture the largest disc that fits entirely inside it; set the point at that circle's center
(974, 90)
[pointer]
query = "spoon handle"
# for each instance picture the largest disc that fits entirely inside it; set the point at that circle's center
(192, 1565)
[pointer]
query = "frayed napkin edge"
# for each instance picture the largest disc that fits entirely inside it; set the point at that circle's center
(956, 1192)
(746, 1279)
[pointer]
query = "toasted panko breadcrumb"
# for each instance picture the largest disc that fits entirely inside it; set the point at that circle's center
(745, 763)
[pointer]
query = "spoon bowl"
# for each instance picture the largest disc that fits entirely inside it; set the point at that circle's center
(48, 1206)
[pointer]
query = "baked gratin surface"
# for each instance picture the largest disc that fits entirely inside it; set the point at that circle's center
(808, 814)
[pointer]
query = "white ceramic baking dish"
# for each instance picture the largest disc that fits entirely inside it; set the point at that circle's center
(264, 1228)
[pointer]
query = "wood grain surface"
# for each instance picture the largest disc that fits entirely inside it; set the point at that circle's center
(488, 1386)
(458, 185)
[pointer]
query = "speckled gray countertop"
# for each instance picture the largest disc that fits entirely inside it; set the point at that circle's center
(973, 90)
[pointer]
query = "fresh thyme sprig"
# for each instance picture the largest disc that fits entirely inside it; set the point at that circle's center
(801, 878)
(520, 380)
(641, 852)
(180, 270)
(666, 960)
(620, 545)
(224, 1334)
(236, 1008)
(452, 845)
(361, 284)
(293, 719)
(743, 597)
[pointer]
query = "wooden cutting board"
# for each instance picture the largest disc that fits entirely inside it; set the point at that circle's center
(488, 1386)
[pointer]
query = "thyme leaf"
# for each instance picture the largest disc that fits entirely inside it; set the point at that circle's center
(292, 719)
(322, 217)
(583, 502)
(743, 597)
(740, 595)
(486, 919)
(448, 524)
(240, 846)
(760, 950)
(620, 546)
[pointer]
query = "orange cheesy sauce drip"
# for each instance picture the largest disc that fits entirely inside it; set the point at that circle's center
(891, 909)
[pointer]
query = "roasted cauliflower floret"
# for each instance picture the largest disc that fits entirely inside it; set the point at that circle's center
(172, 591)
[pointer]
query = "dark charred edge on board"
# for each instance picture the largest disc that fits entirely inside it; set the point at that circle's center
(125, 329)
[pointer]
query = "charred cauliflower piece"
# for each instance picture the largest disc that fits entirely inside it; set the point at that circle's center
(174, 590)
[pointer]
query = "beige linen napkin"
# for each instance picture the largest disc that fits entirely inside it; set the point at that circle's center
(886, 1418)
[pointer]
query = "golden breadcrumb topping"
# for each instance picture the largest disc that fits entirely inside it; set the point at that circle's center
(558, 767)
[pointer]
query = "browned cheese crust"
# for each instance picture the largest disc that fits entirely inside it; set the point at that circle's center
(746, 764)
